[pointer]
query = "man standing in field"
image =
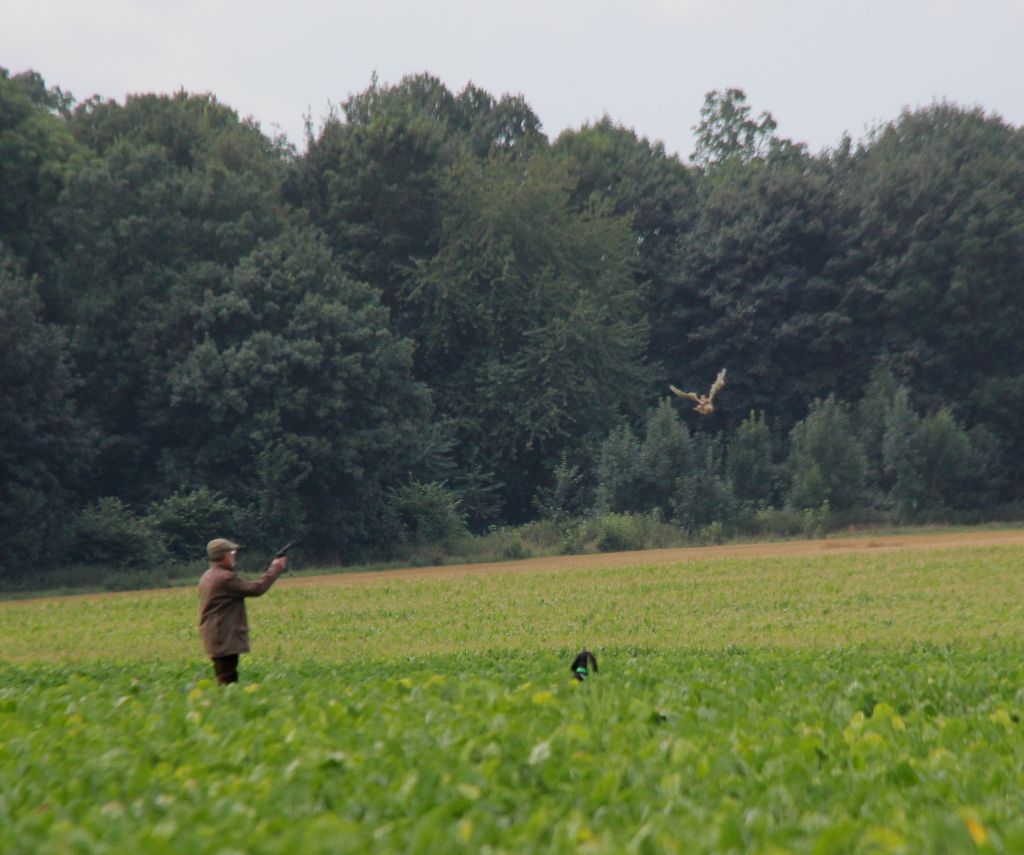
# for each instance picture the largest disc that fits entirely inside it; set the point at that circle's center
(223, 625)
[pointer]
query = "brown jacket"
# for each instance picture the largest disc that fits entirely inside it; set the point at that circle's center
(223, 625)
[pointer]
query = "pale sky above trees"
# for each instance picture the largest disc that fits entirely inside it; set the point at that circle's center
(820, 67)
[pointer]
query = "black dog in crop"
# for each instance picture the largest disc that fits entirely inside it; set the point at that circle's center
(583, 664)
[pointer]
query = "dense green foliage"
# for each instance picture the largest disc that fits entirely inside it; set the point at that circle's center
(44, 451)
(435, 294)
(839, 704)
(737, 751)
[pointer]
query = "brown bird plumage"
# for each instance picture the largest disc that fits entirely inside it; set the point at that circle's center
(705, 403)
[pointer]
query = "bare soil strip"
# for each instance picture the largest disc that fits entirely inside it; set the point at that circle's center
(783, 549)
(555, 563)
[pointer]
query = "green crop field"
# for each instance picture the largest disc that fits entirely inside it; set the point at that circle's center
(855, 703)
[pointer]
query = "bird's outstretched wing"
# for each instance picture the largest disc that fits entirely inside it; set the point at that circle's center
(679, 392)
(717, 385)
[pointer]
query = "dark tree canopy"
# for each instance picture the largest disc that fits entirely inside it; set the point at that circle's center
(297, 395)
(728, 132)
(37, 155)
(433, 317)
(940, 203)
(529, 323)
(45, 446)
(178, 190)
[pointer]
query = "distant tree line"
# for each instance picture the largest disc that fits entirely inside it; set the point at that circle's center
(435, 317)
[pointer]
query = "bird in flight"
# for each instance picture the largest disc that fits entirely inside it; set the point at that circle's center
(705, 403)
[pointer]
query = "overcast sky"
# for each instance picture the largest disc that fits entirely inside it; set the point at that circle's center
(820, 67)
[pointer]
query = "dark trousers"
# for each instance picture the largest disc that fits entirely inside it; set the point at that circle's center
(226, 668)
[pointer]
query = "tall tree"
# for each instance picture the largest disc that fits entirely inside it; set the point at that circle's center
(942, 454)
(178, 192)
(373, 187)
(372, 176)
(760, 290)
(899, 474)
(826, 461)
(37, 156)
(749, 460)
(654, 191)
(507, 124)
(873, 418)
(298, 399)
(939, 201)
(728, 131)
(45, 446)
(473, 122)
(529, 322)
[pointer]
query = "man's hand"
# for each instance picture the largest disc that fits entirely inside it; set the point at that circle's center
(279, 565)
